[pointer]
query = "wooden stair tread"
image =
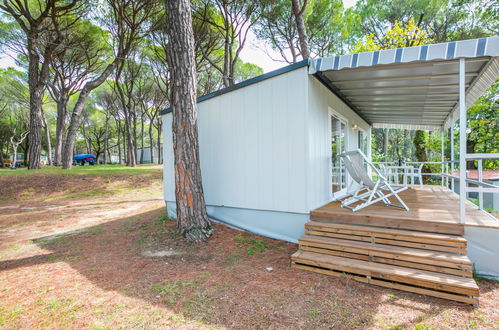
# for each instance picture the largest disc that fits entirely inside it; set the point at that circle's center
(388, 249)
(444, 282)
(380, 219)
(381, 230)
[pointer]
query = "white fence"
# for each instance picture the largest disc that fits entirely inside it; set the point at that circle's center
(447, 176)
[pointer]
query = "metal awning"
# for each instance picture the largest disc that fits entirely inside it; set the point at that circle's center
(413, 87)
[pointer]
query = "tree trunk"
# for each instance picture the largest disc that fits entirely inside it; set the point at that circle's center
(142, 139)
(47, 136)
(36, 89)
(123, 136)
(134, 138)
(386, 132)
(160, 151)
(77, 111)
(192, 219)
(151, 141)
(60, 128)
(419, 144)
(13, 161)
(67, 156)
(106, 137)
(298, 10)
(118, 126)
(2, 161)
(470, 149)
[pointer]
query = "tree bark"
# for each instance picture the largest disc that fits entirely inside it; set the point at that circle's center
(2, 160)
(160, 151)
(118, 130)
(142, 139)
(47, 136)
(36, 89)
(298, 10)
(151, 140)
(192, 218)
(106, 137)
(60, 127)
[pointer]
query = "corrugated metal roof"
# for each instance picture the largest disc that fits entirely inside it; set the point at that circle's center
(413, 87)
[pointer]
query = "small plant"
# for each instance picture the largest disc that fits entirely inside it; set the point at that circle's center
(129, 224)
(162, 220)
(421, 326)
(314, 313)
(234, 258)
(392, 296)
(256, 245)
(172, 290)
(95, 230)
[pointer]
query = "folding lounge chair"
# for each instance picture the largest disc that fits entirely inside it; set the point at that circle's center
(368, 192)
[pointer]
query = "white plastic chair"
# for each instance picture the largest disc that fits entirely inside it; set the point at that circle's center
(372, 192)
(417, 173)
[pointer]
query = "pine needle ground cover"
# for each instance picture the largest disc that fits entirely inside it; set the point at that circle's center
(95, 250)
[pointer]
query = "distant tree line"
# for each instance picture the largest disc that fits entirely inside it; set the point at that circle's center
(92, 76)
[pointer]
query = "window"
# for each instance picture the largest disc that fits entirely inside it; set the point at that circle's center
(362, 141)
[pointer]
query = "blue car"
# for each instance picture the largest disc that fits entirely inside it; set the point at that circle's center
(81, 159)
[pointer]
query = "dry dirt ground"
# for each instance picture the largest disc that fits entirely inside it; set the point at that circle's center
(96, 251)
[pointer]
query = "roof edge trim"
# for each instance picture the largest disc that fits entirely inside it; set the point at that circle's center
(245, 83)
(333, 89)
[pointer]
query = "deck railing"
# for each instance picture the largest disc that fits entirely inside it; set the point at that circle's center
(446, 172)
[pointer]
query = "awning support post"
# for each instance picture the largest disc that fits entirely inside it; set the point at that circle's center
(462, 142)
(442, 154)
(452, 125)
(480, 178)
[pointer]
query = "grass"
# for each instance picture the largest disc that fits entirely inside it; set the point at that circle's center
(86, 170)
(8, 315)
(254, 245)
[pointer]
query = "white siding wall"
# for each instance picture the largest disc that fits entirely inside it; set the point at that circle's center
(320, 100)
(168, 171)
(253, 146)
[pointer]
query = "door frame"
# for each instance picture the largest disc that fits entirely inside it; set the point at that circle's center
(341, 118)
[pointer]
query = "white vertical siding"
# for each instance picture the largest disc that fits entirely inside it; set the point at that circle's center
(252, 146)
(168, 173)
(267, 146)
(320, 100)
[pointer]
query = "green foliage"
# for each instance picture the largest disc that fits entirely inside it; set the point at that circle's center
(400, 35)
(255, 245)
(483, 123)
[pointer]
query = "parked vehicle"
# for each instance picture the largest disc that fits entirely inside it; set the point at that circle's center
(81, 159)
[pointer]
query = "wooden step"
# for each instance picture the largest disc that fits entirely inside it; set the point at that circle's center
(386, 221)
(399, 237)
(445, 286)
(435, 261)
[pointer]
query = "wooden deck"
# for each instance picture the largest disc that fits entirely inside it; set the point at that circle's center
(432, 208)
(422, 250)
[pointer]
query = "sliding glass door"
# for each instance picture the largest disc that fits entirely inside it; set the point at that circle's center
(338, 146)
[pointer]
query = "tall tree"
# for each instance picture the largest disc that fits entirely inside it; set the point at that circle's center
(192, 218)
(298, 10)
(81, 59)
(326, 24)
(125, 20)
(232, 20)
(40, 22)
(126, 84)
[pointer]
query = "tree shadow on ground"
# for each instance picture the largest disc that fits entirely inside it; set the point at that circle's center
(224, 282)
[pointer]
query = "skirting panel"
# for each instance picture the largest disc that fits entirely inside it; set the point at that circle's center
(279, 225)
(483, 250)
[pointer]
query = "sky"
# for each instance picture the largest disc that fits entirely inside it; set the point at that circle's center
(255, 51)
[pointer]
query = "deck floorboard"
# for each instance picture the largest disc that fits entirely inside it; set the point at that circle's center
(431, 206)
